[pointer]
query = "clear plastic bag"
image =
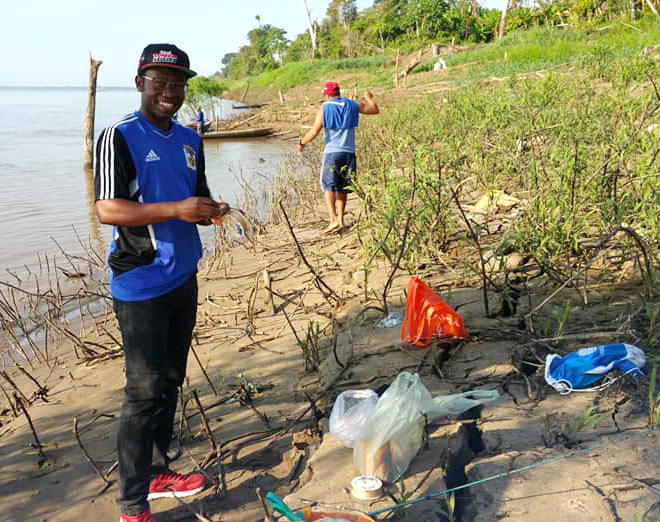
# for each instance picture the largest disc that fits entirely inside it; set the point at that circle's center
(392, 435)
(350, 411)
(236, 225)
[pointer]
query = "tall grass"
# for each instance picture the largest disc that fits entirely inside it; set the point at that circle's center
(574, 146)
(539, 48)
(291, 75)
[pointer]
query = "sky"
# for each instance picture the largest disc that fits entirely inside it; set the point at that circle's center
(48, 42)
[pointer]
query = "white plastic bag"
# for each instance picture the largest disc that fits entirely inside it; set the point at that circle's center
(392, 435)
(351, 409)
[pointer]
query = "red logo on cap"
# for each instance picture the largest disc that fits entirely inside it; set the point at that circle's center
(164, 57)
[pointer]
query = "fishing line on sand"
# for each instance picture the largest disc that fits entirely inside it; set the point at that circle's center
(518, 470)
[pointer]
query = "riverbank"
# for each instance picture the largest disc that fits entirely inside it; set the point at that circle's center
(533, 454)
(266, 406)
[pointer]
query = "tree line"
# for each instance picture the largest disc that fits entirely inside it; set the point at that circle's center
(405, 25)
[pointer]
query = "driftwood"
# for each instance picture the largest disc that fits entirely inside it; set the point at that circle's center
(609, 503)
(260, 496)
(247, 87)
(328, 293)
(91, 109)
(13, 385)
(37, 444)
(9, 401)
(267, 285)
(410, 65)
(206, 375)
(198, 516)
(205, 423)
(241, 122)
(98, 471)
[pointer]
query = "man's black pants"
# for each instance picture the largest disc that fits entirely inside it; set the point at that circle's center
(156, 337)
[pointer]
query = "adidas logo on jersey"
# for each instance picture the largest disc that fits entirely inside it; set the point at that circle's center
(152, 156)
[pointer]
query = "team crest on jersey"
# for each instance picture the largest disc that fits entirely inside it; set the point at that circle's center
(189, 153)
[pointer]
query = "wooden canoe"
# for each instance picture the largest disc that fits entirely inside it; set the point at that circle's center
(238, 133)
(207, 125)
(247, 106)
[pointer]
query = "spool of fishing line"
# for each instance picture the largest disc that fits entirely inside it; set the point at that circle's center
(366, 488)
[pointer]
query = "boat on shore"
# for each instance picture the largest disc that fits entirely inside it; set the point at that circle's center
(207, 125)
(238, 133)
(248, 106)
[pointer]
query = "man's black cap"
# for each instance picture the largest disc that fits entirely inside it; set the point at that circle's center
(165, 55)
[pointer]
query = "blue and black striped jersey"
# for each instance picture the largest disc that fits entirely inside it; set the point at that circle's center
(136, 160)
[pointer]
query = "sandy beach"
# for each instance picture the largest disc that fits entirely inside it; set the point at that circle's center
(267, 415)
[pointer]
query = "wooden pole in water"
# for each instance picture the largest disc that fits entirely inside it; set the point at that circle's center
(247, 86)
(91, 110)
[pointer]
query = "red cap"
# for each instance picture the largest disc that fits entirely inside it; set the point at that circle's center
(331, 88)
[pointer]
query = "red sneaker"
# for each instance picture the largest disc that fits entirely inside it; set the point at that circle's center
(145, 516)
(171, 484)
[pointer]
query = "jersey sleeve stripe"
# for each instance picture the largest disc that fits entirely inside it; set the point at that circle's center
(107, 159)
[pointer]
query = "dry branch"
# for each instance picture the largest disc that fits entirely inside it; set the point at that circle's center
(206, 375)
(327, 292)
(107, 482)
(205, 422)
(38, 446)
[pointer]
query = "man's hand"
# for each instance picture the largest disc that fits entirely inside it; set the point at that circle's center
(195, 209)
(223, 208)
(369, 106)
(300, 147)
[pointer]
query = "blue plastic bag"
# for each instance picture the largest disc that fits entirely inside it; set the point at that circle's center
(580, 369)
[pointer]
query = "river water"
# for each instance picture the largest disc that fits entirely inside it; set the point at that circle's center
(46, 198)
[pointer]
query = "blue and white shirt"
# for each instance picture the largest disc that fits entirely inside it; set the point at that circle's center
(340, 117)
(136, 160)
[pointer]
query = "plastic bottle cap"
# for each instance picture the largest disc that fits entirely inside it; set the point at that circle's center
(366, 488)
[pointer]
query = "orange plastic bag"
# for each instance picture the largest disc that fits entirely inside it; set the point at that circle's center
(427, 314)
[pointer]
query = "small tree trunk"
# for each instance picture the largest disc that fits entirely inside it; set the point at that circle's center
(312, 29)
(503, 19)
(632, 10)
(396, 70)
(91, 110)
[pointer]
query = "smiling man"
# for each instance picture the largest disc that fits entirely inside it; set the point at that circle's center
(151, 186)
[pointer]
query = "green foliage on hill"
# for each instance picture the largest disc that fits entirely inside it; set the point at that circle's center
(405, 25)
(302, 73)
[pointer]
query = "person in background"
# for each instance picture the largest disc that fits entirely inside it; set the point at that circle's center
(338, 117)
(200, 121)
(150, 184)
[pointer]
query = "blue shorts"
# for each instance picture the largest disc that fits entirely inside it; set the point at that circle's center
(337, 170)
